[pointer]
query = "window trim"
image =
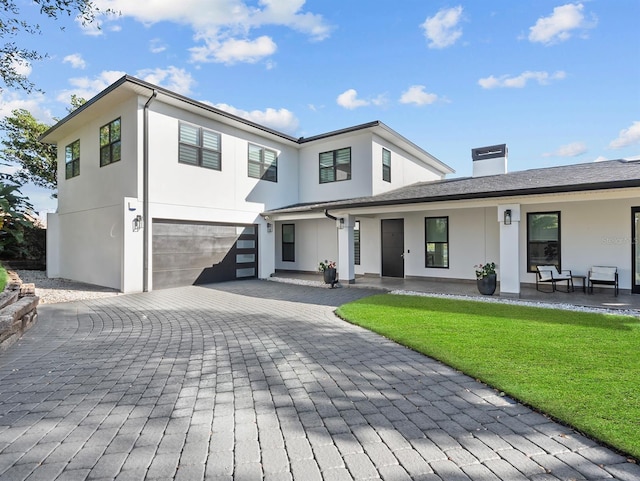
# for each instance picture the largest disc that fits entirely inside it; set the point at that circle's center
(386, 167)
(264, 168)
(200, 148)
(112, 142)
(293, 244)
(426, 242)
(333, 167)
(559, 240)
(74, 163)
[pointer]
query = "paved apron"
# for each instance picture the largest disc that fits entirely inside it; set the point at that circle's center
(259, 380)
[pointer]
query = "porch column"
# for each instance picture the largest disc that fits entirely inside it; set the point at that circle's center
(346, 270)
(509, 263)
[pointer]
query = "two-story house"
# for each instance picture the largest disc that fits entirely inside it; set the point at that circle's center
(157, 190)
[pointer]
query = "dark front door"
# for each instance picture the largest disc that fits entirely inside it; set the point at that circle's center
(393, 247)
(635, 251)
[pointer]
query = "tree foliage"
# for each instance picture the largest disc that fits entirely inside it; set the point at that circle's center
(12, 55)
(37, 161)
(17, 223)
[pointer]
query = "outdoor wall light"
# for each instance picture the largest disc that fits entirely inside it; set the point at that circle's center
(507, 217)
(137, 223)
(341, 225)
(269, 227)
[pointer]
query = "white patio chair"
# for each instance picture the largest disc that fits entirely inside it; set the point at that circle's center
(552, 275)
(603, 275)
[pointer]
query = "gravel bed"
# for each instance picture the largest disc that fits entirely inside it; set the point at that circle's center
(51, 291)
(550, 305)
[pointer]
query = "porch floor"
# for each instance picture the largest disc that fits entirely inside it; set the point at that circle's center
(601, 298)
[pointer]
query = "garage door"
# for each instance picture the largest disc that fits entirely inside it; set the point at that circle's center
(186, 253)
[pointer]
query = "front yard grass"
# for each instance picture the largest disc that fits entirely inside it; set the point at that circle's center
(582, 368)
(3, 277)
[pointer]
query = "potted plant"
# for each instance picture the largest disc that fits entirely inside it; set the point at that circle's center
(328, 269)
(486, 278)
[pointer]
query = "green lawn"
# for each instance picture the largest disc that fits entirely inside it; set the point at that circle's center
(581, 368)
(3, 277)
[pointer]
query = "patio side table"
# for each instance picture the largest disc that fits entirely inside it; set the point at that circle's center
(583, 279)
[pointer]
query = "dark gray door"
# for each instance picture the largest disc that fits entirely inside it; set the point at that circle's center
(186, 253)
(392, 247)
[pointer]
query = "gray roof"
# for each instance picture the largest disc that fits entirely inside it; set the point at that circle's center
(612, 174)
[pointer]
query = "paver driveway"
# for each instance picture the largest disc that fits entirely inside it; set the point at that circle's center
(253, 380)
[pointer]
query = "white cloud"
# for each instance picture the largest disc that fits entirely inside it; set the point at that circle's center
(76, 60)
(33, 102)
(600, 158)
(86, 87)
(349, 100)
(157, 46)
(282, 120)
(224, 27)
(627, 137)
(570, 150)
(232, 51)
(416, 95)
(441, 29)
(543, 78)
(173, 78)
(21, 67)
(559, 26)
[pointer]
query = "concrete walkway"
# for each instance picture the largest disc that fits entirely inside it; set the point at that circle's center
(259, 380)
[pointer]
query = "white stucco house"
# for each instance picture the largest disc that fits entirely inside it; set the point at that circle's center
(158, 190)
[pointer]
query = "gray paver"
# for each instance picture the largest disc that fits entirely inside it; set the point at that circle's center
(259, 380)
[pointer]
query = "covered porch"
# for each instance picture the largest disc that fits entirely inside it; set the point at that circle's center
(602, 298)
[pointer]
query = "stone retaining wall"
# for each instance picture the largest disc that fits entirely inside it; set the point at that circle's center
(18, 310)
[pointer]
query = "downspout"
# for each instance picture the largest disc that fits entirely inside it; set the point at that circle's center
(145, 194)
(326, 213)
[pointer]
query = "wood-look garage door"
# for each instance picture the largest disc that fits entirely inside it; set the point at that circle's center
(186, 253)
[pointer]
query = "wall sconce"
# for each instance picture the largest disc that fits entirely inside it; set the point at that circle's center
(137, 223)
(507, 217)
(269, 227)
(341, 224)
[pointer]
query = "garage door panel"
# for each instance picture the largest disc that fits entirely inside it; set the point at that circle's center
(187, 260)
(186, 253)
(186, 245)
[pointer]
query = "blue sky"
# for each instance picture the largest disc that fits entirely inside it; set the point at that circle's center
(557, 81)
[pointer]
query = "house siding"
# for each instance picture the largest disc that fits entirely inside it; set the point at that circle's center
(596, 232)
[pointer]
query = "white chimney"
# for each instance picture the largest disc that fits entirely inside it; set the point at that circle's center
(490, 160)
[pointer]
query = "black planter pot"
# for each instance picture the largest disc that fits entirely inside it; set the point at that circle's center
(487, 285)
(330, 275)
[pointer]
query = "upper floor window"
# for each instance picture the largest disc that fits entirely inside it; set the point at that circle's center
(386, 165)
(198, 146)
(72, 159)
(543, 239)
(263, 163)
(437, 240)
(335, 165)
(110, 149)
